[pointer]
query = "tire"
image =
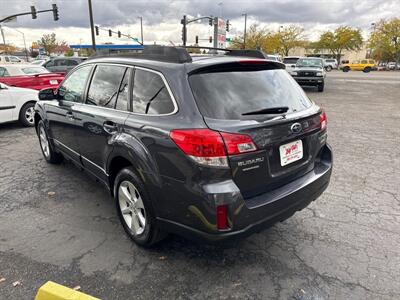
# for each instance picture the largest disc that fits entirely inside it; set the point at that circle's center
(134, 209)
(367, 70)
(320, 87)
(328, 68)
(346, 69)
(27, 114)
(45, 145)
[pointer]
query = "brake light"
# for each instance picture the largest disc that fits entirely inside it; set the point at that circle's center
(211, 148)
(238, 143)
(222, 217)
(323, 121)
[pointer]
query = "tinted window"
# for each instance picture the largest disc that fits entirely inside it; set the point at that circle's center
(104, 86)
(4, 72)
(150, 95)
(123, 93)
(60, 62)
(72, 62)
(73, 87)
(289, 60)
(226, 95)
(7, 59)
(34, 70)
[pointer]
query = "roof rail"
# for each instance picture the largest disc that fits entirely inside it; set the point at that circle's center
(234, 52)
(174, 54)
(151, 52)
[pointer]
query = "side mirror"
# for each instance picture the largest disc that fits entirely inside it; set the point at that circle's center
(47, 94)
(293, 66)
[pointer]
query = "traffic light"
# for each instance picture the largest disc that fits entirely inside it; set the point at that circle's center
(119, 33)
(210, 39)
(33, 12)
(96, 29)
(184, 32)
(227, 25)
(197, 39)
(210, 21)
(184, 20)
(55, 12)
(109, 32)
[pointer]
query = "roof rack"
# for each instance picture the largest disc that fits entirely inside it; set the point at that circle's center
(174, 54)
(152, 52)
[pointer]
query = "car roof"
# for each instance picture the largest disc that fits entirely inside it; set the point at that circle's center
(198, 62)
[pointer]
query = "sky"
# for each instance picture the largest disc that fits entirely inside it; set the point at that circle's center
(161, 19)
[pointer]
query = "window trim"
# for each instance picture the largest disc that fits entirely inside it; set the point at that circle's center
(168, 89)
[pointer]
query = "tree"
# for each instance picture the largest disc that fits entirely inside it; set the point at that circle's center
(385, 40)
(48, 42)
(342, 38)
(69, 53)
(290, 37)
(271, 41)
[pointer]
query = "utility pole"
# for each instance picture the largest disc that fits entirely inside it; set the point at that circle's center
(184, 31)
(245, 28)
(141, 28)
(92, 25)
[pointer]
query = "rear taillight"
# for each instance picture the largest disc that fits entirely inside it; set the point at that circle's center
(323, 121)
(211, 148)
(222, 217)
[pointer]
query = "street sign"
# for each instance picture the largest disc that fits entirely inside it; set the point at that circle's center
(221, 38)
(42, 51)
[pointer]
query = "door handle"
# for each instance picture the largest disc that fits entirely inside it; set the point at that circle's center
(109, 127)
(69, 115)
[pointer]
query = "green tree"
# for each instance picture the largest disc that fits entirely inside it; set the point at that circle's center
(342, 38)
(48, 42)
(385, 40)
(69, 53)
(290, 37)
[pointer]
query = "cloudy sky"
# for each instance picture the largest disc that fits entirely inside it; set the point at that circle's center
(161, 19)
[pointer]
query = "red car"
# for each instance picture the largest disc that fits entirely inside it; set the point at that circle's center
(29, 76)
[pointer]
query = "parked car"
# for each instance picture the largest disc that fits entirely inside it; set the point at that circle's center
(290, 62)
(365, 65)
(29, 76)
(10, 59)
(391, 65)
(309, 71)
(17, 104)
(330, 63)
(62, 64)
(210, 148)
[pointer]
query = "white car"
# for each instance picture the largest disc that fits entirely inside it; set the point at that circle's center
(9, 59)
(290, 62)
(330, 63)
(17, 104)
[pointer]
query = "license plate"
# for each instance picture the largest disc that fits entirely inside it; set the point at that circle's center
(291, 152)
(53, 81)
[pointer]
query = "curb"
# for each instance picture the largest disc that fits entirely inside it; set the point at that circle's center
(54, 291)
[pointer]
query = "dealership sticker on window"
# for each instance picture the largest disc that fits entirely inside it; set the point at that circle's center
(53, 81)
(291, 152)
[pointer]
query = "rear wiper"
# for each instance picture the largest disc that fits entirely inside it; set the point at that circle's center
(266, 111)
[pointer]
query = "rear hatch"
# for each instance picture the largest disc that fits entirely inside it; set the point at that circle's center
(240, 101)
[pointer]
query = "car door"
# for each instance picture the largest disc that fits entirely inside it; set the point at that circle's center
(102, 116)
(61, 112)
(6, 104)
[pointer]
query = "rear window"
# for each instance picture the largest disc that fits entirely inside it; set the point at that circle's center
(226, 95)
(290, 60)
(34, 70)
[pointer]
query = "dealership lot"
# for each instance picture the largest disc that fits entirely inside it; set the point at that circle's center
(58, 224)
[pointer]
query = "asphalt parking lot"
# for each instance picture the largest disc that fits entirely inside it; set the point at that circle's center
(58, 224)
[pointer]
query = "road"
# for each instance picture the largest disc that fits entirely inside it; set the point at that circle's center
(345, 245)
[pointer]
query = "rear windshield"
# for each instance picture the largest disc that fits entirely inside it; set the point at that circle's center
(34, 70)
(290, 60)
(227, 95)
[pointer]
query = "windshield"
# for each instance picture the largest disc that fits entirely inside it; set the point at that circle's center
(309, 62)
(227, 95)
(34, 70)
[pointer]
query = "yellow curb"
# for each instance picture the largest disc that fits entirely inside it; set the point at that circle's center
(54, 291)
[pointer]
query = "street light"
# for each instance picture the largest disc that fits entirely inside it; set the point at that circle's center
(23, 36)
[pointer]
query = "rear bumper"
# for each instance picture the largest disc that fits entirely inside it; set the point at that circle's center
(309, 80)
(263, 211)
